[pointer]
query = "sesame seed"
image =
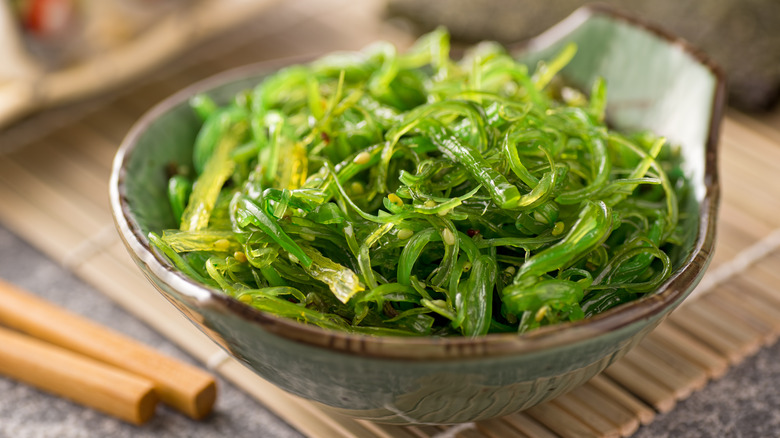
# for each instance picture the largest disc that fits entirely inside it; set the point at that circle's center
(357, 188)
(362, 158)
(221, 245)
(540, 313)
(405, 233)
(448, 237)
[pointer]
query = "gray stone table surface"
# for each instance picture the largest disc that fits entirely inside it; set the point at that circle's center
(744, 403)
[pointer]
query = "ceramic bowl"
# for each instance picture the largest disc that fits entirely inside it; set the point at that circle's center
(655, 82)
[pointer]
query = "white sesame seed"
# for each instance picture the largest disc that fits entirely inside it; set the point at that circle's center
(362, 158)
(405, 233)
(448, 237)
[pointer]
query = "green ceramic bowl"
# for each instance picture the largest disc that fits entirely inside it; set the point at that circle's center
(655, 82)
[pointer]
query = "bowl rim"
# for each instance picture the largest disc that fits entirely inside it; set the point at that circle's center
(672, 291)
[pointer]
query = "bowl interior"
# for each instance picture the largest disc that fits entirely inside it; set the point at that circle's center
(654, 82)
(163, 138)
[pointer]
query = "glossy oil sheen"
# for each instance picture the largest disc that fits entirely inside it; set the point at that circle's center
(654, 81)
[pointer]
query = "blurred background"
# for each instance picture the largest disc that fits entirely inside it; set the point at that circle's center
(743, 36)
(79, 48)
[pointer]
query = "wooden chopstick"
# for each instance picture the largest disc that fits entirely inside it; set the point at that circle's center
(179, 385)
(92, 383)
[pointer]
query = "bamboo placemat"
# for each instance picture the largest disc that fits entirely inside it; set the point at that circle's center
(54, 194)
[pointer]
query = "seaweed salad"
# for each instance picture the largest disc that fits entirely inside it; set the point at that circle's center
(408, 194)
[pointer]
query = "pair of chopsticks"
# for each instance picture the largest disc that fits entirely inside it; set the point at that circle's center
(65, 354)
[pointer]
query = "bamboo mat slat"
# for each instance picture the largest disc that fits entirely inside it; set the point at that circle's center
(641, 411)
(618, 415)
(559, 421)
(527, 426)
(54, 194)
(649, 388)
(646, 362)
(498, 429)
(588, 414)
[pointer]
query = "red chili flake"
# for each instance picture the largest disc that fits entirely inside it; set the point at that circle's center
(325, 137)
(472, 232)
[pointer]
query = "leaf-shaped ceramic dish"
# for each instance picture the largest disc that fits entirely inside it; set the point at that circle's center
(655, 82)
